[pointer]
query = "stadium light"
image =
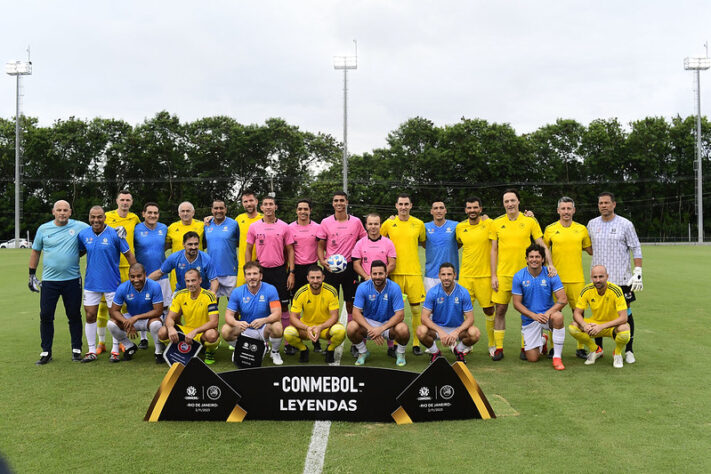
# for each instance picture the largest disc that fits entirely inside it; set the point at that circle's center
(345, 63)
(698, 64)
(18, 69)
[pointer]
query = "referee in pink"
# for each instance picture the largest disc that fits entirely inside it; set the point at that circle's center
(372, 247)
(304, 231)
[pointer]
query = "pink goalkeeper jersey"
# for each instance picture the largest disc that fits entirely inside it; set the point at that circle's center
(270, 240)
(370, 250)
(341, 237)
(305, 242)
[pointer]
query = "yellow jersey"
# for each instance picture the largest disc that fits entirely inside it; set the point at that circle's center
(244, 221)
(513, 236)
(476, 248)
(177, 230)
(406, 235)
(195, 312)
(315, 309)
(566, 244)
(604, 307)
(129, 223)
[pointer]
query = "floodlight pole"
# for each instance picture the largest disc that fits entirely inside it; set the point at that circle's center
(18, 69)
(345, 63)
(697, 65)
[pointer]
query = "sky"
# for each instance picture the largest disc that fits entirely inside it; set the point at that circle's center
(526, 63)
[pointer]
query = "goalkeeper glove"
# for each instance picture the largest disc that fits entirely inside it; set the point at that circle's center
(636, 281)
(34, 284)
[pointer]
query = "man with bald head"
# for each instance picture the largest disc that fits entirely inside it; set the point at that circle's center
(60, 277)
(176, 231)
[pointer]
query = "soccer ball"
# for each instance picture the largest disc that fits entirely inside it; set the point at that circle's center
(337, 263)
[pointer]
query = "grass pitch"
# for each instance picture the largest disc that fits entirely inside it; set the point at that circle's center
(648, 417)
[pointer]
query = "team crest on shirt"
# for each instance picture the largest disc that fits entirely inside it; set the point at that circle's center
(182, 266)
(148, 296)
(430, 231)
(71, 232)
(261, 298)
(456, 300)
(160, 232)
(245, 299)
(544, 283)
(526, 283)
(130, 296)
(440, 300)
(89, 240)
(198, 268)
(372, 297)
(521, 225)
(224, 228)
(144, 234)
(105, 241)
(448, 230)
(385, 296)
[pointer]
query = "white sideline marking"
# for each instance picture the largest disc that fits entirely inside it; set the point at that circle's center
(319, 437)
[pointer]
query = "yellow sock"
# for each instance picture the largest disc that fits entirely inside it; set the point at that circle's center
(291, 334)
(621, 340)
(582, 337)
(416, 321)
(337, 334)
(522, 344)
(490, 330)
(499, 338)
(211, 346)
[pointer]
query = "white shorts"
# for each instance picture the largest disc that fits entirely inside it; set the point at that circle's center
(255, 333)
(446, 329)
(93, 298)
(167, 293)
(431, 283)
(533, 335)
(141, 324)
(377, 324)
(227, 284)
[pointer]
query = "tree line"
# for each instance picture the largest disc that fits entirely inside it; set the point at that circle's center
(648, 164)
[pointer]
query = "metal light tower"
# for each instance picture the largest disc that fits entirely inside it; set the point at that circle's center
(698, 65)
(345, 63)
(18, 69)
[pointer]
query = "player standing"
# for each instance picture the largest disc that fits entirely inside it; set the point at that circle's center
(244, 220)
(221, 236)
(441, 245)
(178, 229)
(149, 242)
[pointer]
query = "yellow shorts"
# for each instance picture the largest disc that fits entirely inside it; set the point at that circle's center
(608, 332)
(479, 289)
(503, 296)
(186, 329)
(240, 277)
(572, 292)
(412, 286)
(124, 273)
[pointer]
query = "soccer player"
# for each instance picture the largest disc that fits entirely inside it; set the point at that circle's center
(441, 245)
(613, 239)
(144, 308)
(244, 220)
(510, 235)
(60, 277)
(566, 240)
(317, 304)
(188, 258)
(337, 236)
(407, 232)
(149, 242)
(609, 316)
(378, 314)
(221, 236)
(124, 221)
(532, 290)
(254, 310)
(177, 230)
(198, 309)
(103, 247)
(448, 315)
(372, 247)
(473, 235)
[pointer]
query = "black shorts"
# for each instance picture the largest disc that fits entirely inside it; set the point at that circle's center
(300, 273)
(629, 294)
(277, 276)
(346, 280)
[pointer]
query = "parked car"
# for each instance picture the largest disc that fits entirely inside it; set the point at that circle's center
(16, 244)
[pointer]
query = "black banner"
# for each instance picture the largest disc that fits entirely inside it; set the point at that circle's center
(248, 352)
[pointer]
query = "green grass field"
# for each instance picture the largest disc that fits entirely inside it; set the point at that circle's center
(652, 416)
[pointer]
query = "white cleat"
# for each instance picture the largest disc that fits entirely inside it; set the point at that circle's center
(492, 349)
(617, 361)
(629, 357)
(593, 356)
(276, 358)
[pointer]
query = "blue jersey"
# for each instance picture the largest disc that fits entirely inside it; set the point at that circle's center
(448, 310)
(138, 302)
(221, 242)
(150, 246)
(379, 305)
(103, 253)
(249, 306)
(441, 247)
(178, 262)
(537, 292)
(61, 250)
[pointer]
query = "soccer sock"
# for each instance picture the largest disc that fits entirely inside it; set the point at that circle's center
(461, 347)
(291, 334)
(416, 321)
(361, 347)
(276, 343)
(102, 319)
(499, 338)
(433, 348)
(115, 335)
(90, 331)
(558, 339)
(523, 344)
(582, 337)
(212, 346)
(338, 335)
(154, 328)
(630, 321)
(621, 340)
(400, 349)
(101, 331)
(144, 334)
(490, 330)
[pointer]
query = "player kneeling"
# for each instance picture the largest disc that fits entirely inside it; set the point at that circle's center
(608, 319)
(448, 315)
(378, 314)
(532, 291)
(144, 308)
(198, 309)
(317, 303)
(254, 309)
